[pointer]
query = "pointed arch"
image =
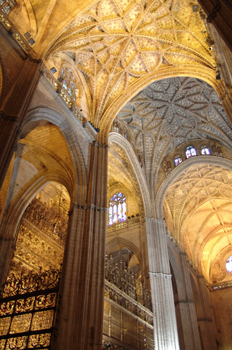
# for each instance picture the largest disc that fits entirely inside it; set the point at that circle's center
(120, 140)
(173, 176)
(125, 243)
(205, 74)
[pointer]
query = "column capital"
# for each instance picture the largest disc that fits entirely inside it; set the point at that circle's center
(89, 206)
(160, 274)
(100, 145)
(158, 221)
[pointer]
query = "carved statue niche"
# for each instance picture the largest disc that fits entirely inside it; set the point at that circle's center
(214, 149)
(219, 151)
(115, 126)
(167, 167)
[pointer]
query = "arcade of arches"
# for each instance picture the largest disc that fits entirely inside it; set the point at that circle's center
(116, 174)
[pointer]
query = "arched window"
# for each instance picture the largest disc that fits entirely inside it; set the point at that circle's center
(7, 6)
(117, 208)
(178, 160)
(190, 152)
(205, 150)
(229, 264)
(68, 82)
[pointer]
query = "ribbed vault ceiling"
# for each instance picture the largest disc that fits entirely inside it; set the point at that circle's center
(116, 42)
(169, 113)
(121, 178)
(200, 206)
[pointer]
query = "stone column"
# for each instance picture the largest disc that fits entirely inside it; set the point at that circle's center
(80, 318)
(165, 327)
(205, 321)
(145, 267)
(13, 111)
(189, 323)
(219, 13)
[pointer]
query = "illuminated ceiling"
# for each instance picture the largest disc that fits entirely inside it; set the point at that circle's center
(200, 216)
(115, 43)
(169, 113)
(121, 178)
(38, 244)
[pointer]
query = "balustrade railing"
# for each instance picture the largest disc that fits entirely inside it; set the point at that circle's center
(27, 311)
(6, 6)
(117, 274)
(124, 224)
(52, 221)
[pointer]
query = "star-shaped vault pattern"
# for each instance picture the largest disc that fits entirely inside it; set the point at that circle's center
(198, 208)
(169, 113)
(116, 42)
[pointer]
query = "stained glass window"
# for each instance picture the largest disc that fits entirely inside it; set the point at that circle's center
(205, 150)
(190, 152)
(229, 264)
(117, 208)
(7, 6)
(178, 160)
(68, 83)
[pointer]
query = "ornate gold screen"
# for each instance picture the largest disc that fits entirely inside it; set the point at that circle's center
(27, 311)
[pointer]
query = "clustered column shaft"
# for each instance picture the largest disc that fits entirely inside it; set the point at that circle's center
(80, 319)
(165, 327)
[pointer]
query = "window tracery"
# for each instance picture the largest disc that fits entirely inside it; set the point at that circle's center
(190, 152)
(178, 160)
(117, 209)
(205, 150)
(7, 6)
(68, 82)
(229, 264)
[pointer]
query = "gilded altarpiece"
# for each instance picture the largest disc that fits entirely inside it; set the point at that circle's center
(27, 311)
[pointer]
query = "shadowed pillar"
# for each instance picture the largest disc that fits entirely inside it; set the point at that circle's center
(165, 327)
(13, 111)
(186, 303)
(80, 319)
(219, 13)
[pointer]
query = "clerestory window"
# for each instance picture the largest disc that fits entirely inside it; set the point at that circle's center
(68, 82)
(205, 150)
(229, 264)
(178, 160)
(190, 152)
(117, 209)
(6, 6)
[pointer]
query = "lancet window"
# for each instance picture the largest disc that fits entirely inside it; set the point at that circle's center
(6, 6)
(229, 264)
(178, 160)
(190, 152)
(117, 209)
(205, 150)
(68, 82)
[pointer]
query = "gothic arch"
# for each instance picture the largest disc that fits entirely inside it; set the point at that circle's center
(125, 243)
(120, 140)
(42, 115)
(210, 160)
(205, 74)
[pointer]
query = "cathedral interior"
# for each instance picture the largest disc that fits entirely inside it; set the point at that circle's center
(116, 174)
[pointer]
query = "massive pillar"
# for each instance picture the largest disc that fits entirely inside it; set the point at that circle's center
(165, 327)
(219, 13)
(13, 111)
(204, 313)
(80, 318)
(187, 308)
